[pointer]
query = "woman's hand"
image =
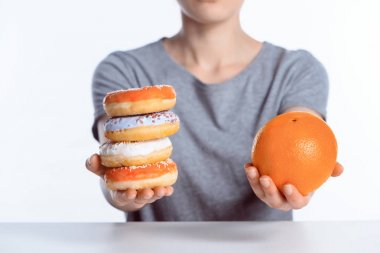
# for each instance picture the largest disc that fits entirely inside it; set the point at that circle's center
(130, 199)
(283, 199)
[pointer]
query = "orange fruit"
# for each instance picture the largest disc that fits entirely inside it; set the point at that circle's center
(297, 148)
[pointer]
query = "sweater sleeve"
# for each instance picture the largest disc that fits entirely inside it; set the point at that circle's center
(307, 84)
(112, 73)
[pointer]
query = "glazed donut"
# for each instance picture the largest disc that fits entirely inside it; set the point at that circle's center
(145, 176)
(142, 127)
(136, 101)
(135, 153)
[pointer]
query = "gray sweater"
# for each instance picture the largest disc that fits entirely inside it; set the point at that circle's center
(218, 124)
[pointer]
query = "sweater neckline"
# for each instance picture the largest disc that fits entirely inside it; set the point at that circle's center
(212, 86)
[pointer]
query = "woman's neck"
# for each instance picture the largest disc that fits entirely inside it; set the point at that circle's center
(207, 50)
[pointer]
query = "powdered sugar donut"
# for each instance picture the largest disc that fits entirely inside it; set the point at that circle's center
(143, 100)
(142, 127)
(145, 176)
(135, 153)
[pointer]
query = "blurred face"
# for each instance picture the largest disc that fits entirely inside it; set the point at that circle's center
(210, 11)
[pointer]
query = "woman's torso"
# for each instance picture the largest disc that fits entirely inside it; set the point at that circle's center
(218, 124)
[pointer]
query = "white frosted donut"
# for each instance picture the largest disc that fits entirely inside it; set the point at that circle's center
(135, 153)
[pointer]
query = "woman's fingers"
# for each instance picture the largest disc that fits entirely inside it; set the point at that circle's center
(130, 194)
(295, 199)
(139, 198)
(288, 198)
(169, 191)
(144, 195)
(159, 191)
(119, 198)
(273, 197)
(253, 179)
(265, 189)
(338, 170)
(129, 197)
(93, 164)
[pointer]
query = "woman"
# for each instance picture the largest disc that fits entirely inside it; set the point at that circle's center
(228, 85)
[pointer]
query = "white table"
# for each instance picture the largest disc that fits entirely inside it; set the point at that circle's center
(181, 237)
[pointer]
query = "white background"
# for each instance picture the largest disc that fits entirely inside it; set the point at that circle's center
(48, 52)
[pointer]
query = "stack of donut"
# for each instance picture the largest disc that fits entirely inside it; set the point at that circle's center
(138, 153)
